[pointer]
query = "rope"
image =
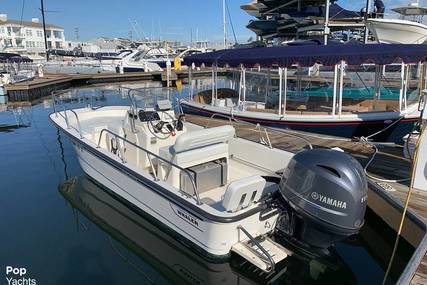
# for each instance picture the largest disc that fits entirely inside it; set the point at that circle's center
(405, 209)
(366, 141)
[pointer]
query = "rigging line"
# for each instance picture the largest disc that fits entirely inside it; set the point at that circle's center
(231, 22)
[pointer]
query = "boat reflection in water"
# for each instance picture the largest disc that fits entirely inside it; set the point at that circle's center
(173, 260)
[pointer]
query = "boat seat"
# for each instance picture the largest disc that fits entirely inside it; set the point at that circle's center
(229, 102)
(194, 148)
(243, 192)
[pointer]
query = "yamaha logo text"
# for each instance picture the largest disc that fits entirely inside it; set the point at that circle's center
(328, 201)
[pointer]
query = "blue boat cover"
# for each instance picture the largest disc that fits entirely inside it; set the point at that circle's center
(13, 57)
(305, 56)
(335, 12)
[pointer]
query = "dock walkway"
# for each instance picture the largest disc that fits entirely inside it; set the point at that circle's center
(389, 164)
(40, 87)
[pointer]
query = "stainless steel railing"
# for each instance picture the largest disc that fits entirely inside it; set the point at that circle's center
(65, 115)
(260, 247)
(260, 128)
(149, 156)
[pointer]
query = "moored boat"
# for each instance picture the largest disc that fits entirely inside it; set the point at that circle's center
(341, 113)
(218, 192)
(408, 29)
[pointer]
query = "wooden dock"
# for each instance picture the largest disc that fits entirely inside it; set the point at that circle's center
(41, 87)
(388, 164)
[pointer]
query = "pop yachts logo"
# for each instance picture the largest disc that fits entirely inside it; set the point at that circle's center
(328, 201)
(17, 276)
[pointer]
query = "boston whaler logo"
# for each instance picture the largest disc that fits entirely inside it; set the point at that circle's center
(328, 200)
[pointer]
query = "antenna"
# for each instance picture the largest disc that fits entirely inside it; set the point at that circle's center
(76, 34)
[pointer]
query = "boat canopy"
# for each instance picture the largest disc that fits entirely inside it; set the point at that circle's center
(306, 56)
(13, 57)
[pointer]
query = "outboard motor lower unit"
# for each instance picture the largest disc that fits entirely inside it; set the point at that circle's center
(324, 197)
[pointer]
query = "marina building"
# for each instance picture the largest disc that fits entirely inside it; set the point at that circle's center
(27, 37)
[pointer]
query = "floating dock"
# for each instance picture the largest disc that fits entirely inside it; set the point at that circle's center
(41, 87)
(389, 164)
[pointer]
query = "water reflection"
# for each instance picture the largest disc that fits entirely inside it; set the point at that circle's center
(153, 252)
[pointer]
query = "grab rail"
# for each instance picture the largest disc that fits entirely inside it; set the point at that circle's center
(258, 126)
(263, 250)
(65, 116)
(193, 184)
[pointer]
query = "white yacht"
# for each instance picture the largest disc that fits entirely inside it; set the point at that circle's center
(218, 192)
(408, 29)
(125, 61)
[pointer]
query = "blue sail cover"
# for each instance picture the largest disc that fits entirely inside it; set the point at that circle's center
(306, 56)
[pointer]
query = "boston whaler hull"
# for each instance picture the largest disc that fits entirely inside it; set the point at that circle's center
(212, 234)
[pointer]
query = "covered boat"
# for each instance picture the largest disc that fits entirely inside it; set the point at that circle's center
(385, 110)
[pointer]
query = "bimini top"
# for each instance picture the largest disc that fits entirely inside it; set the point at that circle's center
(13, 58)
(305, 56)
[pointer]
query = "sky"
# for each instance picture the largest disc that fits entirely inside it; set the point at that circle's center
(167, 19)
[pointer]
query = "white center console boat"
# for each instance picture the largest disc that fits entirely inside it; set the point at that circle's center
(220, 193)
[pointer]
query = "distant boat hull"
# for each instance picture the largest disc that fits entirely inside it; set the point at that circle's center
(344, 127)
(394, 31)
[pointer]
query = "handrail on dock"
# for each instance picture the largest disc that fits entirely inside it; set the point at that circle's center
(149, 154)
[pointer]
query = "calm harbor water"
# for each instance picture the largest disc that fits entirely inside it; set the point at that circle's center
(65, 229)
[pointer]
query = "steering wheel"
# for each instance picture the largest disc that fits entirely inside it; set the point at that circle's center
(162, 129)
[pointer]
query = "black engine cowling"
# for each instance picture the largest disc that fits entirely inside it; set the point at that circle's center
(324, 196)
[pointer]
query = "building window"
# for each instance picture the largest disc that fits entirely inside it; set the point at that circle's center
(58, 45)
(1, 30)
(49, 44)
(30, 44)
(57, 34)
(29, 33)
(39, 33)
(48, 34)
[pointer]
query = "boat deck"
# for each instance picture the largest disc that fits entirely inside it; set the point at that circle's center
(388, 164)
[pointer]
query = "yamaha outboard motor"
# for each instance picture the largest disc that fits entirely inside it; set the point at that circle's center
(324, 197)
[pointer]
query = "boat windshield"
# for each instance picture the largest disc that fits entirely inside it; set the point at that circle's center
(139, 56)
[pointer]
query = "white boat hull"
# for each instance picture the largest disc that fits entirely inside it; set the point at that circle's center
(217, 237)
(393, 31)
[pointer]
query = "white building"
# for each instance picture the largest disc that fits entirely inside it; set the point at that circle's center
(27, 37)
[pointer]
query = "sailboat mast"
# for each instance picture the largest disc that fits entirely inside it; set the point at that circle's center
(44, 30)
(224, 18)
